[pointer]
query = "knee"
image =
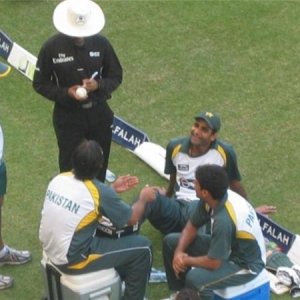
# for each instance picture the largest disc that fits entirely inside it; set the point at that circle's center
(190, 281)
(156, 205)
(170, 241)
(151, 206)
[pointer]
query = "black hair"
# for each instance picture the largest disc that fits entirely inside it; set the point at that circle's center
(87, 160)
(214, 179)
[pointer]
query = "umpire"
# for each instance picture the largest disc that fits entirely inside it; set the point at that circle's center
(75, 57)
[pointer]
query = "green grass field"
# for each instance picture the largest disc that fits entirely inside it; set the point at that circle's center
(239, 58)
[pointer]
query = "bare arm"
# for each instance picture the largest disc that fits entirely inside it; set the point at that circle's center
(237, 187)
(171, 186)
(182, 260)
(187, 236)
(147, 194)
(203, 262)
(265, 209)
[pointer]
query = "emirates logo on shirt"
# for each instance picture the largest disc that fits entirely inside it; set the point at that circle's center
(62, 58)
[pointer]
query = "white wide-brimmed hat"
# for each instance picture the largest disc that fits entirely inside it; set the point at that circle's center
(78, 18)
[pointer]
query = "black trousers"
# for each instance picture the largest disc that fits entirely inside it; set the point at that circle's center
(72, 126)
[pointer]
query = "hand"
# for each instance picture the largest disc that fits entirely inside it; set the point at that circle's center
(149, 194)
(162, 191)
(90, 84)
(266, 209)
(124, 183)
(178, 263)
(72, 93)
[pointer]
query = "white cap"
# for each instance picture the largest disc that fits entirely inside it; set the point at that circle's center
(78, 18)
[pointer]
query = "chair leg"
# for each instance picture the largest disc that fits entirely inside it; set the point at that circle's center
(55, 292)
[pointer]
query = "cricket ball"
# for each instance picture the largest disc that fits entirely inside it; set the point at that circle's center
(81, 92)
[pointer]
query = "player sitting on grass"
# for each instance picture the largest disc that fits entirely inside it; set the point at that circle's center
(8, 256)
(172, 207)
